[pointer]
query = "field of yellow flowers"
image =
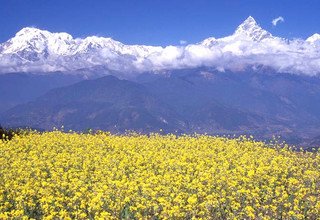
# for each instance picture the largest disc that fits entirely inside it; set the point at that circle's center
(56, 175)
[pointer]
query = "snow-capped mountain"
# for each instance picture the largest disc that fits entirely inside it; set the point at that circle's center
(39, 41)
(314, 38)
(251, 29)
(37, 50)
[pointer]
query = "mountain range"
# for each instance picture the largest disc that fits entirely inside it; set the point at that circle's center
(32, 49)
(250, 82)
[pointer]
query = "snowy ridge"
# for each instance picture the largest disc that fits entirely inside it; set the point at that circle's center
(249, 46)
(314, 38)
(251, 29)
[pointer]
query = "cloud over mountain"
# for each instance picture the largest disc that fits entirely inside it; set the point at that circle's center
(249, 46)
(277, 20)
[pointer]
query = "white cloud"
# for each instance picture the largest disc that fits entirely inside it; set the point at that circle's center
(277, 20)
(183, 42)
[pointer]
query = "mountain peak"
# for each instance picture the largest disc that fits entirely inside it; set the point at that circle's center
(27, 29)
(33, 44)
(315, 37)
(30, 31)
(250, 20)
(250, 28)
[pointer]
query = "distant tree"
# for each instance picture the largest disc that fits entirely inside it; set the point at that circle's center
(2, 132)
(6, 134)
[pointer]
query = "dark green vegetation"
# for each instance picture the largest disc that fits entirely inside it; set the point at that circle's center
(6, 134)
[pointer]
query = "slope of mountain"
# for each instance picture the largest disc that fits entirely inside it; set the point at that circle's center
(249, 46)
(187, 101)
(19, 88)
(274, 104)
(105, 103)
(118, 105)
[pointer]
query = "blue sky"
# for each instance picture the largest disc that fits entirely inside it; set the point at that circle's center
(158, 22)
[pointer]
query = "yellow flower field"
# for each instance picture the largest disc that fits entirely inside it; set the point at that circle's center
(58, 175)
